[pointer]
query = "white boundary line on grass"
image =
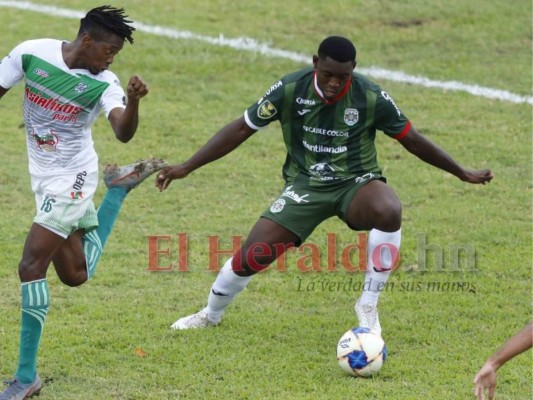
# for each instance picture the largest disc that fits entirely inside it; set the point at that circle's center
(248, 44)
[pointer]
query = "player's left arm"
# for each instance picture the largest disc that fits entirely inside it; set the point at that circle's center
(124, 121)
(429, 152)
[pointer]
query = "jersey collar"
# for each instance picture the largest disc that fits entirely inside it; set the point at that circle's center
(341, 94)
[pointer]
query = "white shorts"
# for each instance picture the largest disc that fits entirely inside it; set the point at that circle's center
(65, 202)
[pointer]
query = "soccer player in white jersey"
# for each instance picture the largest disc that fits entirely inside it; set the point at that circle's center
(67, 85)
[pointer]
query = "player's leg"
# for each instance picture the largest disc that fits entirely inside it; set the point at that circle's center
(267, 241)
(43, 240)
(376, 207)
(119, 180)
(272, 240)
(38, 251)
(286, 224)
(76, 260)
(49, 240)
(69, 260)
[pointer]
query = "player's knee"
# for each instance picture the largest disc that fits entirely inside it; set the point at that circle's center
(74, 279)
(388, 215)
(246, 263)
(31, 271)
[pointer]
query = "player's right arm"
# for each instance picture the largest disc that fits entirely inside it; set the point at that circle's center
(223, 142)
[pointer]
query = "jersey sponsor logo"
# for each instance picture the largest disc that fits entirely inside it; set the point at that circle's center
(80, 181)
(81, 87)
(325, 132)
(305, 102)
(277, 206)
(65, 118)
(304, 111)
(47, 142)
(363, 178)
(387, 97)
(323, 171)
(275, 86)
(51, 103)
(318, 148)
(351, 116)
(291, 194)
(40, 72)
(266, 110)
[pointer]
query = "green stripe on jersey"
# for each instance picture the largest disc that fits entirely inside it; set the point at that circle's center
(49, 82)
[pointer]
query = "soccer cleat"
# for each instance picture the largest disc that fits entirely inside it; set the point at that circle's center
(131, 176)
(367, 314)
(20, 391)
(198, 320)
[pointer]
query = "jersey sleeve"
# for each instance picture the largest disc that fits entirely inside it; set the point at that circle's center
(388, 117)
(11, 71)
(113, 97)
(267, 109)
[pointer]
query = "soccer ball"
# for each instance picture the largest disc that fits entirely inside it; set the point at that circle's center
(361, 352)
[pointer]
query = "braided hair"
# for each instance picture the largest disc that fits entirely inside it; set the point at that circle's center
(102, 21)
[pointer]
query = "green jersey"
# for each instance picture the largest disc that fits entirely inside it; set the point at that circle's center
(328, 142)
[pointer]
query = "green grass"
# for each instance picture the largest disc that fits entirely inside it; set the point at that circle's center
(110, 339)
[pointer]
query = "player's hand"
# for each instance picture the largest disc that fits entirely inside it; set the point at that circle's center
(136, 88)
(477, 176)
(168, 174)
(485, 379)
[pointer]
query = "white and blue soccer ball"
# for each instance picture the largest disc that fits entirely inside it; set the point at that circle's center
(361, 352)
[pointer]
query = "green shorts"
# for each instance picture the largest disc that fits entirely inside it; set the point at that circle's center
(301, 209)
(65, 202)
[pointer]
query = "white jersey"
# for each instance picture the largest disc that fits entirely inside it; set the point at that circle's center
(60, 105)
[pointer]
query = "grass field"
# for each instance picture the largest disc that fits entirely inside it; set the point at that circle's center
(443, 314)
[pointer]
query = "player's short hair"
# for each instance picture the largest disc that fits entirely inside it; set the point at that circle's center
(337, 48)
(102, 21)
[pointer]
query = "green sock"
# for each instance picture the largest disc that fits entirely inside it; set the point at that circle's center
(35, 302)
(95, 240)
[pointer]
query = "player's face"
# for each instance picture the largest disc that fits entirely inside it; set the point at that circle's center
(101, 53)
(332, 75)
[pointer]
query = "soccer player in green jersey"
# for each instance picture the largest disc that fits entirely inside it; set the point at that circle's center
(67, 85)
(329, 116)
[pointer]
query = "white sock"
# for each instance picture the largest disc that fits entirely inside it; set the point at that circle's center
(227, 285)
(382, 246)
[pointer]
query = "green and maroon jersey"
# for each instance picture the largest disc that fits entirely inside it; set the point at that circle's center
(328, 142)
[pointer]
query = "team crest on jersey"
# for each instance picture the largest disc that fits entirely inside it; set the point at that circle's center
(277, 206)
(81, 87)
(46, 142)
(351, 116)
(266, 110)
